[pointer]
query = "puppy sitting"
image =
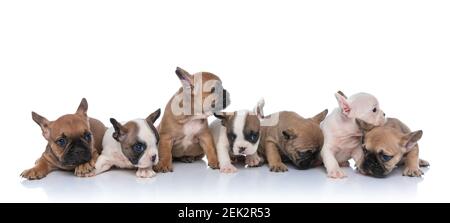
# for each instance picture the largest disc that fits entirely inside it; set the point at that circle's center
(131, 145)
(237, 134)
(293, 138)
(341, 133)
(74, 142)
(184, 127)
(388, 146)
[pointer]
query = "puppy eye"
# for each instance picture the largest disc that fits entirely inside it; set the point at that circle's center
(87, 136)
(374, 110)
(231, 136)
(386, 158)
(365, 149)
(61, 142)
(213, 90)
(138, 147)
(253, 137)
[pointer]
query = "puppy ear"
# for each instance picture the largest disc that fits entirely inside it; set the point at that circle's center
(342, 94)
(366, 127)
(120, 133)
(43, 123)
(151, 119)
(83, 107)
(343, 103)
(289, 134)
(410, 140)
(320, 117)
(222, 116)
(185, 77)
(259, 109)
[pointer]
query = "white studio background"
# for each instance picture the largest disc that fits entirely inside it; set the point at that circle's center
(121, 56)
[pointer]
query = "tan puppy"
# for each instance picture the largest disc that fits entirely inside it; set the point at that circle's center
(388, 146)
(184, 132)
(74, 142)
(293, 139)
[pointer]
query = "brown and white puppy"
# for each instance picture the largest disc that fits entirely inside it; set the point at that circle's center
(385, 147)
(74, 142)
(236, 134)
(184, 132)
(129, 145)
(293, 139)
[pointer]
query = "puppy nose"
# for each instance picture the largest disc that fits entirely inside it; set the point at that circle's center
(154, 158)
(242, 149)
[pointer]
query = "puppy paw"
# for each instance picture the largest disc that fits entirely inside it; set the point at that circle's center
(412, 172)
(85, 170)
(33, 174)
(162, 168)
(253, 161)
(213, 165)
(228, 168)
(278, 167)
(423, 163)
(344, 164)
(336, 174)
(145, 173)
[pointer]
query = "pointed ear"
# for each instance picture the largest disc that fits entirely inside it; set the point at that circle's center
(43, 123)
(289, 134)
(222, 116)
(151, 119)
(120, 133)
(320, 117)
(83, 107)
(366, 127)
(185, 78)
(259, 109)
(410, 140)
(342, 94)
(343, 103)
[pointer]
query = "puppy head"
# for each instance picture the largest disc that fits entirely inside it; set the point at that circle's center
(362, 106)
(302, 139)
(139, 140)
(202, 94)
(69, 137)
(243, 129)
(384, 147)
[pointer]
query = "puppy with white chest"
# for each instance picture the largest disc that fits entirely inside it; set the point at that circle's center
(342, 136)
(388, 146)
(237, 134)
(129, 145)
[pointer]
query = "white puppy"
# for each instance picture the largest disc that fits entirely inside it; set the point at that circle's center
(342, 136)
(131, 145)
(237, 134)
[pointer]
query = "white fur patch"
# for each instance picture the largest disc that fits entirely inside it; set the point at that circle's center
(238, 129)
(190, 130)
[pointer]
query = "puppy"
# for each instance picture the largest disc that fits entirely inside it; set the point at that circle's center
(385, 147)
(342, 134)
(237, 134)
(131, 145)
(184, 128)
(74, 142)
(293, 139)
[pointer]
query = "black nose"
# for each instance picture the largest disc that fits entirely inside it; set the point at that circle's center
(242, 149)
(154, 158)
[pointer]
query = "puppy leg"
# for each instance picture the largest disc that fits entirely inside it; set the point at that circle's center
(165, 154)
(41, 169)
(103, 164)
(412, 168)
(223, 154)
(207, 144)
(253, 160)
(145, 173)
(274, 159)
(331, 164)
(87, 169)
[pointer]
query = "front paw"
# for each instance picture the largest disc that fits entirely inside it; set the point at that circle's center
(412, 172)
(213, 164)
(228, 168)
(163, 168)
(145, 173)
(278, 167)
(85, 170)
(33, 174)
(336, 173)
(253, 161)
(423, 163)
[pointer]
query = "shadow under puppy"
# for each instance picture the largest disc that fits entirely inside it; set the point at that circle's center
(184, 128)
(74, 142)
(290, 137)
(237, 134)
(385, 147)
(129, 145)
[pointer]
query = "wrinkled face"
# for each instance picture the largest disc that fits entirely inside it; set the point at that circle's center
(366, 107)
(71, 140)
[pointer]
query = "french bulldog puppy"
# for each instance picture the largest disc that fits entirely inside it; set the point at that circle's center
(184, 132)
(342, 136)
(74, 142)
(237, 134)
(129, 145)
(293, 139)
(388, 146)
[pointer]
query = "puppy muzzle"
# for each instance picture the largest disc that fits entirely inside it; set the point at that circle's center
(372, 166)
(305, 160)
(79, 153)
